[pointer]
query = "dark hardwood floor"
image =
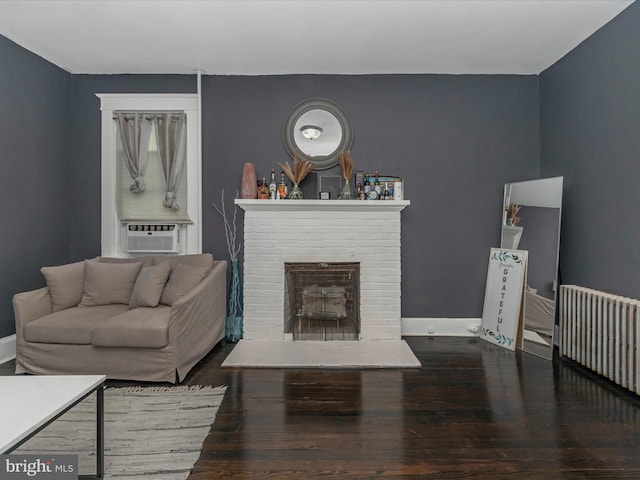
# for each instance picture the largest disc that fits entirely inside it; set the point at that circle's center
(473, 411)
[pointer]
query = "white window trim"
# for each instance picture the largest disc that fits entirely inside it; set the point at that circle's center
(111, 234)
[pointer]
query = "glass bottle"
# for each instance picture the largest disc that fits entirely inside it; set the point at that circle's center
(263, 190)
(367, 185)
(282, 186)
(273, 186)
(376, 184)
(386, 195)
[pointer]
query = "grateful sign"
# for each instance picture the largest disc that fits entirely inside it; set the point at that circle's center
(503, 297)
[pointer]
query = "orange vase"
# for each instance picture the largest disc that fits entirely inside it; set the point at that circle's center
(249, 186)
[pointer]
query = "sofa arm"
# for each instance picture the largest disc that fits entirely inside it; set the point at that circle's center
(28, 306)
(215, 279)
(197, 320)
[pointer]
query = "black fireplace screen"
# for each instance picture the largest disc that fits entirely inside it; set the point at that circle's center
(322, 301)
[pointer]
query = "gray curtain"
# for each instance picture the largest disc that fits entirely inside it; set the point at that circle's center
(135, 131)
(171, 137)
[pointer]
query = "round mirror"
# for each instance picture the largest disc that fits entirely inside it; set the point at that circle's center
(317, 129)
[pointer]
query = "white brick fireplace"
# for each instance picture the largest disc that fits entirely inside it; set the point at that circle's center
(282, 231)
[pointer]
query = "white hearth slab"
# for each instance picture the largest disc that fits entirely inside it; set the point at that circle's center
(311, 354)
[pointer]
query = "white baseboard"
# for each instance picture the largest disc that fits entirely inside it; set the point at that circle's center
(7, 348)
(441, 327)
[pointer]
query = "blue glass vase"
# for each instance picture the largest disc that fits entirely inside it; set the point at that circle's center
(233, 328)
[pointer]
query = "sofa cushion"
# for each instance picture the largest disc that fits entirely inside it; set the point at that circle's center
(182, 280)
(107, 283)
(66, 285)
(146, 261)
(70, 326)
(141, 327)
(195, 260)
(149, 285)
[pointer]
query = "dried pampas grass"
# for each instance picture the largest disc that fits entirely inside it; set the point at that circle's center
(512, 212)
(300, 170)
(346, 164)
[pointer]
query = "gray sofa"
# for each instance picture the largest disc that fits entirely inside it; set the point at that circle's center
(147, 318)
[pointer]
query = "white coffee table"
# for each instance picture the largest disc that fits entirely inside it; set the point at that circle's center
(28, 403)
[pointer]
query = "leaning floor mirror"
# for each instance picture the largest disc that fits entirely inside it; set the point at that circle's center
(531, 221)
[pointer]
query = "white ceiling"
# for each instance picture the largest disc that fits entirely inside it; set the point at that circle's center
(260, 37)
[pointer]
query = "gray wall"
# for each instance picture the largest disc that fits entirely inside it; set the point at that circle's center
(34, 183)
(86, 125)
(456, 140)
(590, 120)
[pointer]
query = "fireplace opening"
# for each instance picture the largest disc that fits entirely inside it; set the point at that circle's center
(322, 301)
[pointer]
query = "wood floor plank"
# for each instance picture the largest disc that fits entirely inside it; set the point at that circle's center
(473, 411)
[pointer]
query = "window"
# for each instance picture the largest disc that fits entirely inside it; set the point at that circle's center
(147, 206)
(116, 179)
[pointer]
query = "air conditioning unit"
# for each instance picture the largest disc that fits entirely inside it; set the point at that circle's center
(152, 238)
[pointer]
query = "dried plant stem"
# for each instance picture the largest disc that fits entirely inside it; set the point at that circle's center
(300, 170)
(347, 165)
(512, 212)
(229, 227)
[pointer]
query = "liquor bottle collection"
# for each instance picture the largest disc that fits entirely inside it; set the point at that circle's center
(273, 190)
(378, 189)
(368, 187)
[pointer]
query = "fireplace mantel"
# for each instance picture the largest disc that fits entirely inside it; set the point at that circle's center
(281, 231)
(323, 205)
(277, 232)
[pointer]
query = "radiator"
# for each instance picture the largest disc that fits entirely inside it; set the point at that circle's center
(601, 332)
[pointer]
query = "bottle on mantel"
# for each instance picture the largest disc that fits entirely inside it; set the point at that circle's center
(263, 190)
(367, 185)
(386, 194)
(273, 186)
(282, 187)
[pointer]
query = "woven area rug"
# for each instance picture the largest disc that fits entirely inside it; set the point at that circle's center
(150, 432)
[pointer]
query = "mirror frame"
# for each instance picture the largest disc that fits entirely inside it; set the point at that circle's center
(320, 162)
(538, 193)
